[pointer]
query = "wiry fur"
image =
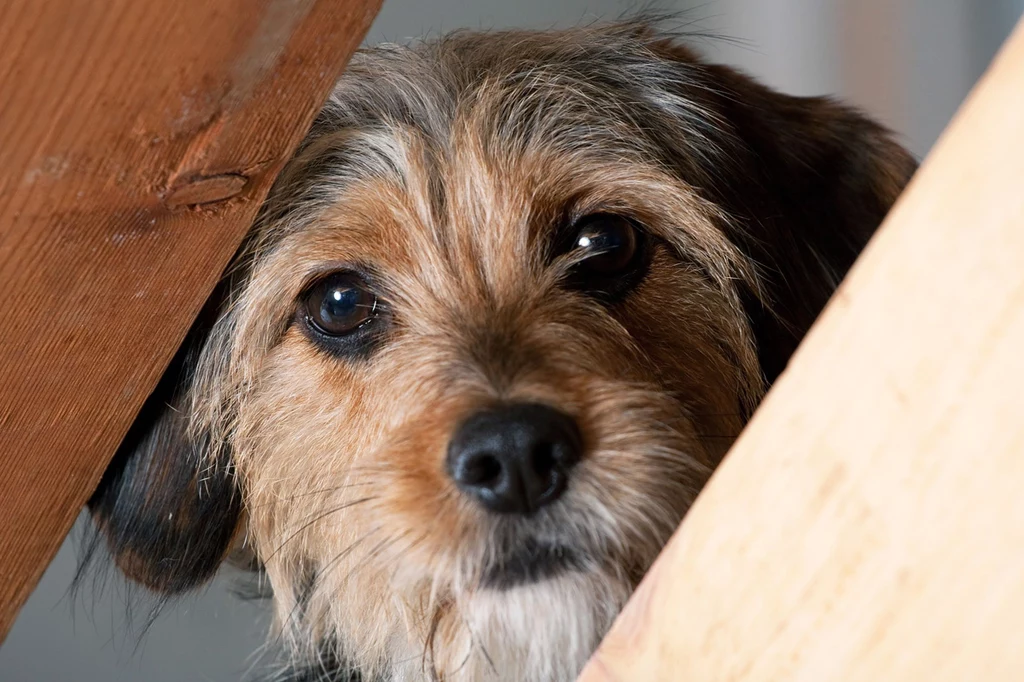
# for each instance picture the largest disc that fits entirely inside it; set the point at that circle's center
(447, 170)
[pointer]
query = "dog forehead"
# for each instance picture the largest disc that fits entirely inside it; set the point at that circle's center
(457, 158)
(464, 220)
(614, 87)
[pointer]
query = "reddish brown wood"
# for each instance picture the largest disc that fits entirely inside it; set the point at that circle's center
(137, 140)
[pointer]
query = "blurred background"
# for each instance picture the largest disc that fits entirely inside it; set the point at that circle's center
(909, 63)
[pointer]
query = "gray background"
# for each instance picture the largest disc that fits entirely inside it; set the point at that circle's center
(932, 52)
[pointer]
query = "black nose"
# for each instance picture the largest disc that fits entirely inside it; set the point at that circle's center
(514, 459)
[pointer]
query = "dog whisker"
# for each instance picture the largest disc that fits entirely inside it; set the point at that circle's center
(310, 493)
(318, 517)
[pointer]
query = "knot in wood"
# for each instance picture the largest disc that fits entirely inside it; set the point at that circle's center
(198, 190)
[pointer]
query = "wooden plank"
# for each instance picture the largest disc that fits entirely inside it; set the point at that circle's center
(869, 523)
(137, 140)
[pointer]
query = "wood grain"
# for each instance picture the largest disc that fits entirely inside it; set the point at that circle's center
(869, 523)
(137, 140)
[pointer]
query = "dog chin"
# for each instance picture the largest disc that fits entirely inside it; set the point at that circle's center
(531, 563)
(541, 630)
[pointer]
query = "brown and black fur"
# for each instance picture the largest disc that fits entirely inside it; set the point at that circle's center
(450, 175)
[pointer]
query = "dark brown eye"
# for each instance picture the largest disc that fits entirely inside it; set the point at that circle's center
(339, 304)
(608, 253)
(611, 242)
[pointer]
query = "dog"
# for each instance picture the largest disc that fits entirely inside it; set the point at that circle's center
(499, 319)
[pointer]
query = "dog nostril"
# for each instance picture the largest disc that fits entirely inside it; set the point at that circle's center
(543, 460)
(515, 458)
(482, 469)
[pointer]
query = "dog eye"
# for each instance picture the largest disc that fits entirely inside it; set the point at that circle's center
(607, 256)
(339, 304)
(607, 243)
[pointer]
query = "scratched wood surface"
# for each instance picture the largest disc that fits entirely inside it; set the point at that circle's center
(137, 140)
(869, 524)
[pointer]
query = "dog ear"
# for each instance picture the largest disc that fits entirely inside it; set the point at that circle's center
(817, 181)
(808, 181)
(169, 509)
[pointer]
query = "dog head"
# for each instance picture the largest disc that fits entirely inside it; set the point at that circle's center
(498, 321)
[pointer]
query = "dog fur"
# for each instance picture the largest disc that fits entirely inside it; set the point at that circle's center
(447, 174)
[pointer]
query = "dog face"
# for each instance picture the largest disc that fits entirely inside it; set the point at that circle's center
(498, 321)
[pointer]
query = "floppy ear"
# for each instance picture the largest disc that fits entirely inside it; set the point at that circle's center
(817, 180)
(168, 512)
(808, 181)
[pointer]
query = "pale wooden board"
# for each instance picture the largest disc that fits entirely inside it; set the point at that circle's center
(869, 523)
(116, 117)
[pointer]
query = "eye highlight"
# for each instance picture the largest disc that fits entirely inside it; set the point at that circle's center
(607, 243)
(340, 312)
(607, 254)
